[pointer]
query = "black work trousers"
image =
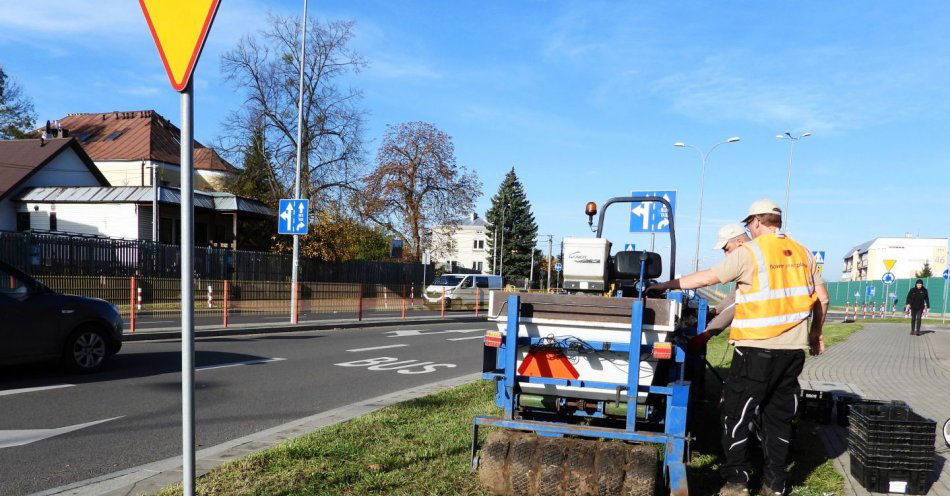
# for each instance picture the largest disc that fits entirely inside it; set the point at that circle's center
(761, 393)
(916, 315)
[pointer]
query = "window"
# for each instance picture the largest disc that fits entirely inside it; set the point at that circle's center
(52, 221)
(481, 281)
(114, 135)
(480, 267)
(11, 285)
(22, 221)
(478, 244)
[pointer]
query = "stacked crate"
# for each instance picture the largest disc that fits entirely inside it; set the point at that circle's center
(891, 448)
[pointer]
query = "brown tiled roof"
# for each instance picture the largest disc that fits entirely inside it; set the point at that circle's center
(136, 135)
(20, 159)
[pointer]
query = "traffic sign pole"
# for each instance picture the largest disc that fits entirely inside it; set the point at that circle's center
(187, 295)
(294, 268)
(946, 281)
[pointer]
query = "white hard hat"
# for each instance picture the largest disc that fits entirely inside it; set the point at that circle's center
(762, 206)
(726, 233)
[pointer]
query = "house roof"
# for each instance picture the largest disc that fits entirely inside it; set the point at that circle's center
(20, 159)
(136, 135)
(222, 202)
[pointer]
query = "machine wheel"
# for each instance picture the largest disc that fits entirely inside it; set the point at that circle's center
(550, 469)
(580, 478)
(609, 464)
(493, 462)
(641, 470)
(521, 464)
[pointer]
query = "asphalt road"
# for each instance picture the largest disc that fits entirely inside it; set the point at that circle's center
(172, 319)
(296, 375)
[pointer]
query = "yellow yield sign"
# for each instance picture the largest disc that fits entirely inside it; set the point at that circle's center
(179, 28)
(889, 264)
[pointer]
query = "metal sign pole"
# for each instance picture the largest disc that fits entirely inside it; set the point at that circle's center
(296, 259)
(550, 249)
(944, 309)
(187, 295)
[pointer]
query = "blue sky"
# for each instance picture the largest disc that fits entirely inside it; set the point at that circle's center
(585, 99)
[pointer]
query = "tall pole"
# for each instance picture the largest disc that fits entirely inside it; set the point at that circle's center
(154, 203)
(944, 309)
(296, 260)
(788, 183)
(187, 294)
(501, 248)
(550, 250)
(531, 276)
(494, 253)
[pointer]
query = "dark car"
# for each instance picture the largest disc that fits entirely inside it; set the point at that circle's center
(38, 324)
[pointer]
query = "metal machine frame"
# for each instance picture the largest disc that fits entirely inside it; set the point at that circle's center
(674, 437)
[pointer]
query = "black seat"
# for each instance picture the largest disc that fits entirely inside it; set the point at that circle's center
(626, 266)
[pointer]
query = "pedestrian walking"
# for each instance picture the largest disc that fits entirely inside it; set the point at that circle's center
(779, 287)
(917, 302)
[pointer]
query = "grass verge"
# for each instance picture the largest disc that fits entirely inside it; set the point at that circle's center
(422, 447)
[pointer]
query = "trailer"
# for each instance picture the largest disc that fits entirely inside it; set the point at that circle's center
(596, 392)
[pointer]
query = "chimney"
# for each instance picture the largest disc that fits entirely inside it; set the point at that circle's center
(473, 217)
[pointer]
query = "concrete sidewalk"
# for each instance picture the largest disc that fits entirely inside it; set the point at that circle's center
(312, 325)
(884, 362)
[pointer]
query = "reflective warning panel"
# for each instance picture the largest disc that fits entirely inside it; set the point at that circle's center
(547, 363)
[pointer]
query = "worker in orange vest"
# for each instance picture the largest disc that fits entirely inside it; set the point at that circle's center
(778, 289)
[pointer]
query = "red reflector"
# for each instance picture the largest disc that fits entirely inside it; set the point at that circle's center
(662, 351)
(493, 339)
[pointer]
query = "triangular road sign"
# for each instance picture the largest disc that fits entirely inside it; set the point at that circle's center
(547, 364)
(179, 28)
(889, 264)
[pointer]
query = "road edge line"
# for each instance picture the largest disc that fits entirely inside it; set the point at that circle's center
(152, 477)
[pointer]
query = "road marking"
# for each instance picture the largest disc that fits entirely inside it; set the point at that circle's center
(394, 364)
(416, 332)
(377, 348)
(467, 337)
(237, 364)
(32, 389)
(11, 438)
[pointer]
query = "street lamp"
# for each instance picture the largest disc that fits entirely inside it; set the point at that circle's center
(702, 184)
(788, 178)
(498, 261)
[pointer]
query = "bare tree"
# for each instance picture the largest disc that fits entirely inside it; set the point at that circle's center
(266, 66)
(417, 185)
(16, 109)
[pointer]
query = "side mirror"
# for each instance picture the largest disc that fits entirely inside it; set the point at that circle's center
(590, 210)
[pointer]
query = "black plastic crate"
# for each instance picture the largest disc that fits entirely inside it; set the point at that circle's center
(842, 403)
(894, 480)
(902, 441)
(816, 406)
(890, 419)
(887, 458)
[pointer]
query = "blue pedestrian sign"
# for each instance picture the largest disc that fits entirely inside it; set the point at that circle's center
(888, 278)
(293, 216)
(651, 216)
(629, 247)
(946, 274)
(819, 257)
(557, 267)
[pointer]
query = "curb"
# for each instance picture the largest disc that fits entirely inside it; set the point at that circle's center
(279, 328)
(153, 477)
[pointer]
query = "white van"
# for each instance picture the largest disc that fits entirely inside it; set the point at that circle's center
(460, 290)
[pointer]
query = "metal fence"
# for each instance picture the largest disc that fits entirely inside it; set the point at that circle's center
(44, 253)
(857, 293)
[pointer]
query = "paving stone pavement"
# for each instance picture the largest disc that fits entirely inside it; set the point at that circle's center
(883, 361)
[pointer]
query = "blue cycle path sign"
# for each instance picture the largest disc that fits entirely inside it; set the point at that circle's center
(293, 216)
(652, 216)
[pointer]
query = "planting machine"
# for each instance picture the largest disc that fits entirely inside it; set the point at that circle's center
(596, 391)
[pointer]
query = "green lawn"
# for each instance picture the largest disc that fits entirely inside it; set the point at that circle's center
(421, 447)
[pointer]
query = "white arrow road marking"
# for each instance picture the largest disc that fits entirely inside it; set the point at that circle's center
(236, 364)
(467, 337)
(9, 439)
(33, 389)
(416, 332)
(377, 348)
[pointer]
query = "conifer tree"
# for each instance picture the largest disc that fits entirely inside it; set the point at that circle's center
(510, 215)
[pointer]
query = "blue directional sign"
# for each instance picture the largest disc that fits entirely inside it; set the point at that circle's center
(651, 216)
(870, 291)
(888, 278)
(946, 274)
(293, 216)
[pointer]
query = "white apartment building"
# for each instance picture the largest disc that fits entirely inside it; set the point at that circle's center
(865, 262)
(466, 247)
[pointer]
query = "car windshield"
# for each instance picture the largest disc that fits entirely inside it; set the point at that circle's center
(447, 281)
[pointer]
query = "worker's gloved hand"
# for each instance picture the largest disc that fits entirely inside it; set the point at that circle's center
(698, 342)
(658, 289)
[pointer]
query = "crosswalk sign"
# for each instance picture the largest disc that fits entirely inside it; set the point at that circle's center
(819, 257)
(293, 216)
(629, 247)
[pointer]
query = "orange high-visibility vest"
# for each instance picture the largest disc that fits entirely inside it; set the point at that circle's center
(782, 292)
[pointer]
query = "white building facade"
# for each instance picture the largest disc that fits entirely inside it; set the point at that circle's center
(465, 247)
(866, 262)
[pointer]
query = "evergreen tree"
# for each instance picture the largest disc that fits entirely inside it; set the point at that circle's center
(256, 179)
(925, 272)
(510, 213)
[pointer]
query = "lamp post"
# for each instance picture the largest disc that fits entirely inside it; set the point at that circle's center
(501, 247)
(788, 178)
(702, 184)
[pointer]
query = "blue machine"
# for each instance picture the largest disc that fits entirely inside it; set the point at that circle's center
(663, 418)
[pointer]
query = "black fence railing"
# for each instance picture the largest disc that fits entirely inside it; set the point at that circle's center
(43, 253)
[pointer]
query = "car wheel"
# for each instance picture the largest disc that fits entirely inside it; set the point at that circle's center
(87, 350)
